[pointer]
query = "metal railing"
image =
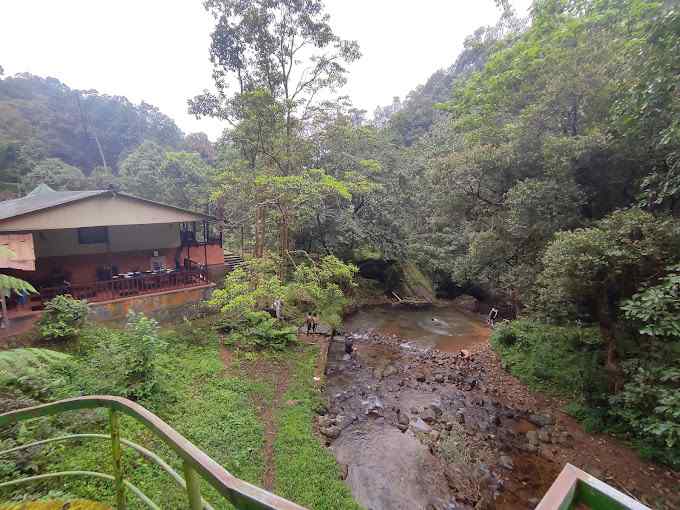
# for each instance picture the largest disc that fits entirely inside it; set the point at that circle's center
(196, 464)
(574, 486)
(106, 290)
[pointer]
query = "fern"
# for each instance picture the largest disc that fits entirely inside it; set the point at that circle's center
(19, 363)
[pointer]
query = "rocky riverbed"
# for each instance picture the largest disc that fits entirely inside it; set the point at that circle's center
(418, 428)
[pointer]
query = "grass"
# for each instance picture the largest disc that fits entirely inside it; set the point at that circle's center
(563, 361)
(214, 408)
(209, 409)
(306, 472)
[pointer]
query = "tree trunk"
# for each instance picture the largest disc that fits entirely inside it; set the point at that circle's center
(611, 366)
(283, 243)
(259, 231)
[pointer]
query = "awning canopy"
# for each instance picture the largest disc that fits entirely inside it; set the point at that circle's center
(23, 252)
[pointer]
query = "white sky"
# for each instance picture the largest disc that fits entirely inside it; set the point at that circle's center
(157, 50)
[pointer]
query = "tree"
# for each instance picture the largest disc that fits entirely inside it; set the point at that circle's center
(199, 142)
(56, 174)
(283, 55)
(176, 178)
(601, 265)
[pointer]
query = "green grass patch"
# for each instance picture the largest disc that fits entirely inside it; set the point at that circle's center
(214, 408)
(564, 361)
(306, 472)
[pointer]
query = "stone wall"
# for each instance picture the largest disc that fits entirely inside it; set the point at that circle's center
(161, 306)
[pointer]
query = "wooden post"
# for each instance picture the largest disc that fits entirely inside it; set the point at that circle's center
(193, 487)
(205, 244)
(117, 456)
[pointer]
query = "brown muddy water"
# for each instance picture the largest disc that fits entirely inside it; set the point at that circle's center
(444, 328)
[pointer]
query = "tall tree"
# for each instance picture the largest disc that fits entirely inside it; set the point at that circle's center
(283, 57)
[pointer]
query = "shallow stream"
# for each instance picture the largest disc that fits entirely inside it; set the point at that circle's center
(445, 328)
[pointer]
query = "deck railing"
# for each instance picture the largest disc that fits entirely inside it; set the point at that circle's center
(106, 290)
(574, 488)
(196, 464)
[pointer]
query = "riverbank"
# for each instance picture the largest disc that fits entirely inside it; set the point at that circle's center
(445, 431)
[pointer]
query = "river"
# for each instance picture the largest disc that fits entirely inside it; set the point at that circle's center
(410, 420)
(445, 328)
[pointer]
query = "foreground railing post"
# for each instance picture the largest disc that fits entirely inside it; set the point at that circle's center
(117, 457)
(193, 487)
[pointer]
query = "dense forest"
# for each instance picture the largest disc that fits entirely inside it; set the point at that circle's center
(540, 172)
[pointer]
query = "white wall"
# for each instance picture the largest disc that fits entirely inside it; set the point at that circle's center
(51, 243)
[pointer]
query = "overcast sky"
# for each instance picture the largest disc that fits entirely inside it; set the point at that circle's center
(157, 50)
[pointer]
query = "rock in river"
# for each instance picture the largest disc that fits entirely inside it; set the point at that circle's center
(331, 432)
(540, 420)
(420, 426)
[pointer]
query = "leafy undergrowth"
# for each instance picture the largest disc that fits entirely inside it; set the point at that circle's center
(567, 361)
(195, 398)
(306, 472)
(212, 407)
(564, 361)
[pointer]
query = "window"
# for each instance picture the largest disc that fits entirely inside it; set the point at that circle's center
(93, 235)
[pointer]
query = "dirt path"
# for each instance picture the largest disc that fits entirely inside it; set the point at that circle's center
(274, 373)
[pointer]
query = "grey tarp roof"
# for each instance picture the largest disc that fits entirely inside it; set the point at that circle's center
(43, 200)
(44, 197)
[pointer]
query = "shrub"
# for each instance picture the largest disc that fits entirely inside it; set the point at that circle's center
(649, 406)
(562, 359)
(505, 335)
(120, 362)
(63, 318)
(259, 330)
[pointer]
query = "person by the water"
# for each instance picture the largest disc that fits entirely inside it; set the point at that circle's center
(315, 322)
(309, 322)
(493, 316)
(349, 345)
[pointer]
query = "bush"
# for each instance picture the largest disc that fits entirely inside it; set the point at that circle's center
(120, 362)
(649, 406)
(564, 360)
(63, 318)
(259, 330)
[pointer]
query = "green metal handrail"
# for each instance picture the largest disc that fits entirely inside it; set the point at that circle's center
(243, 495)
(576, 486)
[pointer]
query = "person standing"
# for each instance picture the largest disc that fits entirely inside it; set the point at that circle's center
(309, 322)
(315, 324)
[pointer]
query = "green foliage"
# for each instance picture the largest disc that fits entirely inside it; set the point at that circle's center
(562, 359)
(315, 286)
(657, 308)
(613, 257)
(15, 284)
(323, 287)
(649, 403)
(212, 407)
(177, 178)
(568, 361)
(259, 330)
(119, 362)
(56, 174)
(19, 365)
(63, 318)
(43, 118)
